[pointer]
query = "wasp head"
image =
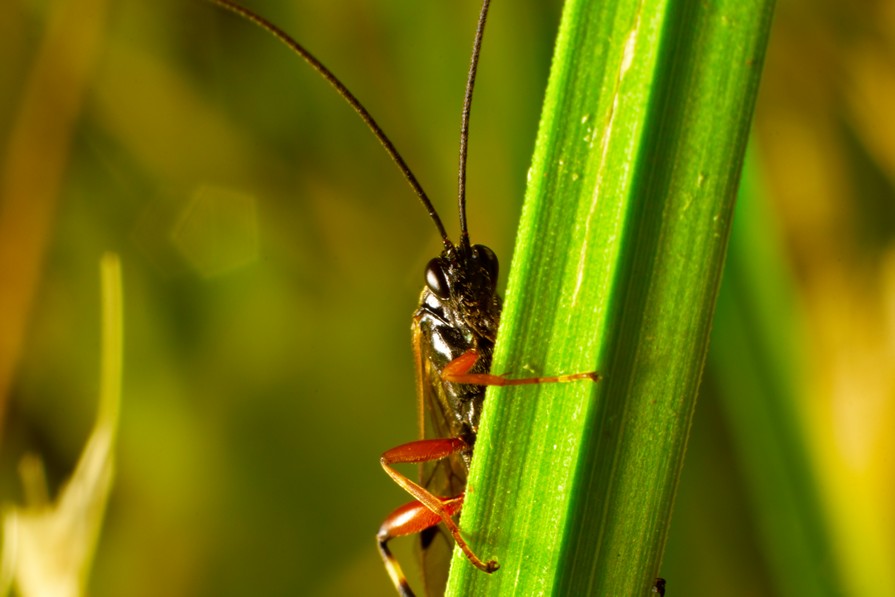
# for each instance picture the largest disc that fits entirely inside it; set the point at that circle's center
(464, 280)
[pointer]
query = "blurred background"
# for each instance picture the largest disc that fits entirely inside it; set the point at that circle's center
(272, 256)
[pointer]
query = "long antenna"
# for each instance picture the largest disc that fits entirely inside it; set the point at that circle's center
(464, 121)
(352, 101)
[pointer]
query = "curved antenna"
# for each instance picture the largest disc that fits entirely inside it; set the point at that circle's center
(348, 97)
(464, 121)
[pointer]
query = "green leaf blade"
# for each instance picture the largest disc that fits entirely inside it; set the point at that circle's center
(617, 265)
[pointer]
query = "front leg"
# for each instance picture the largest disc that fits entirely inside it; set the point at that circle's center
(458, 371)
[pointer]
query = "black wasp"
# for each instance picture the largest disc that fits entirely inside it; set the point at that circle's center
(453, 332)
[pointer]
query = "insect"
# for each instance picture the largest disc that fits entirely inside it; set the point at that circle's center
(453, 333)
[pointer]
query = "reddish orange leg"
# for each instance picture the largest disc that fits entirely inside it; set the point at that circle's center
(410, 518)
(427, 510)
(457, 371)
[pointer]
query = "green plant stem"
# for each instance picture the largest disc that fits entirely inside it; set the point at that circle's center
(617, 265)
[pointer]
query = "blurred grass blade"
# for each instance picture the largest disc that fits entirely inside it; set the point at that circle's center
(755, 355)
(617, 265)
(48, 548)
(34, 162)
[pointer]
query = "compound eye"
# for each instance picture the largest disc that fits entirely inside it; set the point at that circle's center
(487, 261)
(436, 279)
